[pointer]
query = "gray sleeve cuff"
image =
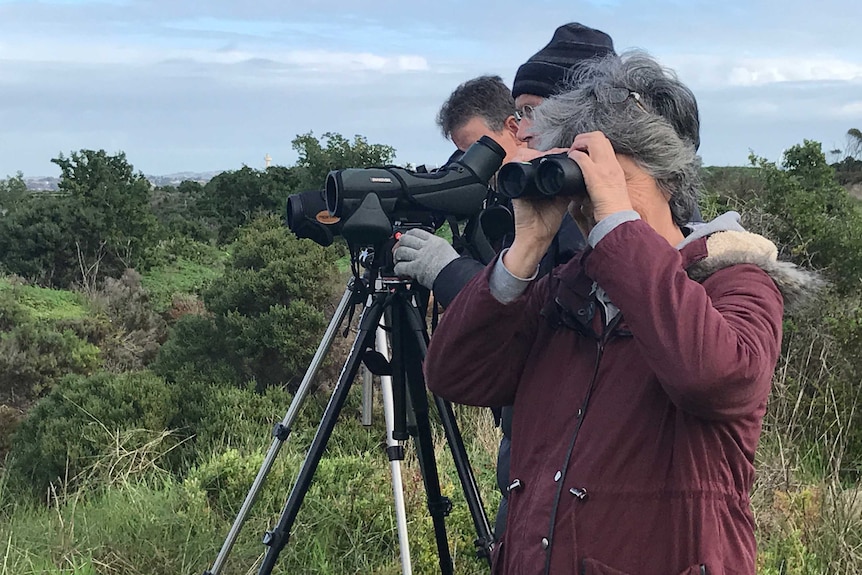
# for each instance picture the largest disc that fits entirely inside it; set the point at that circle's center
(608, 224)
(504, 286)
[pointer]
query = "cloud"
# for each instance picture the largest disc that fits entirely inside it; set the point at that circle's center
(333, 62)
(757, 72)
(212, 85)
(850, 110)
(713, 71)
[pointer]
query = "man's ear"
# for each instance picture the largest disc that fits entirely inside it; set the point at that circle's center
(511, 124)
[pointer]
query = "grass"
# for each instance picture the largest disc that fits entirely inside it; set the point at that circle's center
(130, 517)
(48, 304)
(142, 521)
(182, 276)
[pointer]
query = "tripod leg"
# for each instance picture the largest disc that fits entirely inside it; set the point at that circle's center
(396, 454)
(408, 362)
(282, 431)
(485, 537)
(277, 538)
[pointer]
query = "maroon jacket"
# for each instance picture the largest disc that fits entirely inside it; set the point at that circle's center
(633, 449)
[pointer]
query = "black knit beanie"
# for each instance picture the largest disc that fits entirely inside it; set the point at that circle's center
(545, 72)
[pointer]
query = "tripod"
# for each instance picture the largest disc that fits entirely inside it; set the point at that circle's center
(391, 304)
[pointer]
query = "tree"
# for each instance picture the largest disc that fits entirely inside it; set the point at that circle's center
(12, 192)
(813, 218)
(178, 211)
(37, 241)
(317, 157)
(854, 143)
(115, 204)
(234, 198)
(98, 225)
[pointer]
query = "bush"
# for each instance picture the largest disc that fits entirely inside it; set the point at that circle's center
(267, 312)
(811, 216)
(136, 330)
(67, 431)
(33, 356)
(35, 352)
(12, 313)
(196, 350)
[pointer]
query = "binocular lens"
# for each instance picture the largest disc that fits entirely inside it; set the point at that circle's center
(550, 178)
(560, 176)
(553, 175)
(514, 178)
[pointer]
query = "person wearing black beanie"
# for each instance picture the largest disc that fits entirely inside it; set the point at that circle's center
(545, 73)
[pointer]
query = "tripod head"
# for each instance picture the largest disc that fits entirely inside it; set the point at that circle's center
(378, 261)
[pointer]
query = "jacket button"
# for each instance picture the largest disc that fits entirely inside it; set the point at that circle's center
(580, 493)
(557, 476)
(545, 543)
(515, 485)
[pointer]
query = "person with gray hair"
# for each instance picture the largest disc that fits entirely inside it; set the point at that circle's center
(639, 370)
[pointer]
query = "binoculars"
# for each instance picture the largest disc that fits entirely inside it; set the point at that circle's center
(546, 176)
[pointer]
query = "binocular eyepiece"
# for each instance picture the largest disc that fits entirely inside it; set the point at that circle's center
(546, 176)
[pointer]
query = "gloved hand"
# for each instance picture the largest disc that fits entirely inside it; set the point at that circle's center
(421, 255)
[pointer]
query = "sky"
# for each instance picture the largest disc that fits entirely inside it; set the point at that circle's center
(215, 85)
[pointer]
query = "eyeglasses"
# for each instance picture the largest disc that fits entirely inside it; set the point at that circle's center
(620, 95)
(525, 111)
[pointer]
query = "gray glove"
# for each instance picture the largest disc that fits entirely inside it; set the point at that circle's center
(421, 255)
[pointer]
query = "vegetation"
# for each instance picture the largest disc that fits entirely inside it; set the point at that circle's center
(151, 338)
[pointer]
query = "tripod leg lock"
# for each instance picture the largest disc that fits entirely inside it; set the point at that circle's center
(280, 431)
(484, 547)
(442, 506)
(395, 452)
(272, 538)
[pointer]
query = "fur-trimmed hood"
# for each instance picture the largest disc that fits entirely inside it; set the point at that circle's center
(728, 243)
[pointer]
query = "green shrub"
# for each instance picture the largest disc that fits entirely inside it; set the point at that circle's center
(33, 356)
(267, 312)
(12, 313)
(811, 216)
(77, 421)
(196, 349)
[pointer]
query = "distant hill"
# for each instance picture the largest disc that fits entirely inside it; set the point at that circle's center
(49, 184)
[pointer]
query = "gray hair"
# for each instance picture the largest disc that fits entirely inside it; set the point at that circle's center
(662, 138)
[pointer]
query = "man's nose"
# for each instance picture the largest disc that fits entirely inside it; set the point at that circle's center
(524, 134)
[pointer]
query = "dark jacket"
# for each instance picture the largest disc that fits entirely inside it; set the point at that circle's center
(634, 445)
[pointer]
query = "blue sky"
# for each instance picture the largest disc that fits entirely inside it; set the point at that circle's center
(199, 86)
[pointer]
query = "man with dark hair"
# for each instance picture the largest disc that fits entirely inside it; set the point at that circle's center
(483, 106)
(479, 107)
